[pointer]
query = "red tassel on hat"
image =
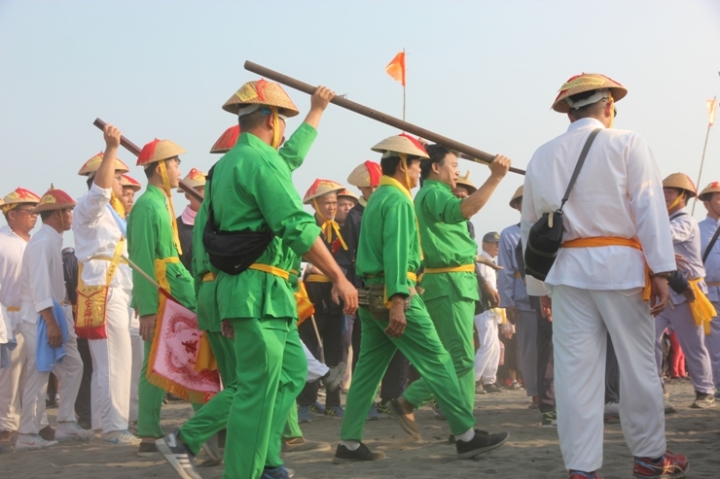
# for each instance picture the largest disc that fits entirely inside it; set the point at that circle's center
(147, 152)
(259, 87)
(375, 172)
(414, 141)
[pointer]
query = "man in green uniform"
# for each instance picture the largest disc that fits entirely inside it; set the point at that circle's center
(389, 254)
(251, 191)
(153, 245)
(449, 282)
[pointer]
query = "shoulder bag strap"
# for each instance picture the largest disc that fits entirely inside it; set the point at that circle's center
(579, 165)
(711, 244)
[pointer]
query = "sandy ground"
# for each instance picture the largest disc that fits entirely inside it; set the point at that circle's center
(531, 452)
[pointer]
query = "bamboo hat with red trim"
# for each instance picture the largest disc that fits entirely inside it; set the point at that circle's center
(17, 197)
(586, 82)
(227, 140)
(465, 181)
(54, 199)
(130, 182)
(320, 188)
(402, 144)
(91, 166)
(261, 93)
(516, 196)
(680, 181)
(366, 175)
(158, 150)
(348, 194)
(195, 179)
(713, 187)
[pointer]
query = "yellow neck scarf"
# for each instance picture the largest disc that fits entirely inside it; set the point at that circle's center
(171, 209)
(677, 201)
(276, 127)
(389, 181)
(117, 205)
(329, 226)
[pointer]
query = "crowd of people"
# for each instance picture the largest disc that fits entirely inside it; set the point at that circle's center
(388, 290)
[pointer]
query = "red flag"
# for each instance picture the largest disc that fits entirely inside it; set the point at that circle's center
(396, 68)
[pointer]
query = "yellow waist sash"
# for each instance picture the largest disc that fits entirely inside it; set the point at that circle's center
(517, 274)
(317, 278)
(612, 241)
(266, 268)
(208, 277)
(702, 309)
(465, 268)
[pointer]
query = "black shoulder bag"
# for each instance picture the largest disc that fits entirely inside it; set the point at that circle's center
(232, 252)
(545, 235)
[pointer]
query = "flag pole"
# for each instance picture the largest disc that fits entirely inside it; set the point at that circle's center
(404, 79)
(702, 161)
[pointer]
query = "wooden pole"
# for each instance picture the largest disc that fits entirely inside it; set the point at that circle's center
(404, 80)
(135, 150)
(702, 160)
(466, 151)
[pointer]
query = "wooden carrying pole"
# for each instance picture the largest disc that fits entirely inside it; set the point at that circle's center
(465, 151)
(135, 150)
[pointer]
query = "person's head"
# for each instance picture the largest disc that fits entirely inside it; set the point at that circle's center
(195, 179)
(464, 187)
(18, 208)
(262, 108)
(130, 186)
(345, 202)
(322, 196)
(56, 209)
(161, 161)
(90, 167)
(366, 176)
(678, 188)
(590, 95)
(401, 159)
(441, 166)
(461, 191)
(516, 200)
(490, 243)
(710, 197)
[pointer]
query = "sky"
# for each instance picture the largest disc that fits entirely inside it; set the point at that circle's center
(481, 72)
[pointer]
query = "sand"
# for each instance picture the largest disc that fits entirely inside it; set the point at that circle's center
(531, 452)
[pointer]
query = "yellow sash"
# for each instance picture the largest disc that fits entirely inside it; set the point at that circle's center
(208, 277)
(271, 270)
(13, 309)
(702, 309)
(410, 275)
(465, 268)
(305, 308)
(612, 241)
(317, 278)
(91, 306)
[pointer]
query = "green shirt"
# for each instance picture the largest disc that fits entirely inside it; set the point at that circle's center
(446, 242)
(150, 237)
(388, 240)
(252, 190)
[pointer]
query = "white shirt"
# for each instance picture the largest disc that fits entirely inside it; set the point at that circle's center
(618, 193)
(12, 247)
(708, 226)
(97, 234)
(41, 279)
(487, 272)
(685, 234)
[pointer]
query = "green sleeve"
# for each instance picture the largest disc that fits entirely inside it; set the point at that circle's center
(199, 261)
(397, 230)
(296, 148)
(142, 232)
(443, 206)
(281, 207)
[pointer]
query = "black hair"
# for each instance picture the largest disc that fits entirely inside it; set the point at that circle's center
(150, 170)
(390, 164)
(90, 180)
(47, 214)
(252, 120)
(437, 154)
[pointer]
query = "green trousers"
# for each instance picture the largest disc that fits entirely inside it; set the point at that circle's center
(421, 345)
(292, 427)
(271, 371)
(213, 416)
(150, 398)
(453, 319)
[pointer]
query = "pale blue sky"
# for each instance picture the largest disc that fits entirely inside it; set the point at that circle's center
(482, 72)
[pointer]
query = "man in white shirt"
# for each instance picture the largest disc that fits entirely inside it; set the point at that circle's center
(17, 209)
(688, 286)
(615, 223)
(42, 288)
(104, 290)
(710, 197)
(487, 357)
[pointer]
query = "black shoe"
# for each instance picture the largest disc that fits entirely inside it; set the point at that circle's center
(279, 472)
(383, 407)
(549, 419)
(362, 453)
(482, 442)
(492, 388)
(451, 439)
(177, 455)
(147, 449)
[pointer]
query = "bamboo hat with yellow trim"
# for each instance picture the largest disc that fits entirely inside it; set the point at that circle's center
(366, 175)
(227, 140)
(348, 194)
(516, 196)
(582, 83)
(158, 150)
(54, 199)
(261, 93)
(465, 181)
(130, 182)
(195, 179)
(713, 187)
(680, 181)
(91, 166)
(403, 144)
(17, 197)
(320, 188)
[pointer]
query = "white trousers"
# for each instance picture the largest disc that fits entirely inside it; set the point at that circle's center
(138, 354)
(316, 369)
(487, 357)
(581, 321)
(12, 382)
(111, 375)
(692, 342)
(526, 329)
(69, 373)
(712, 343)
